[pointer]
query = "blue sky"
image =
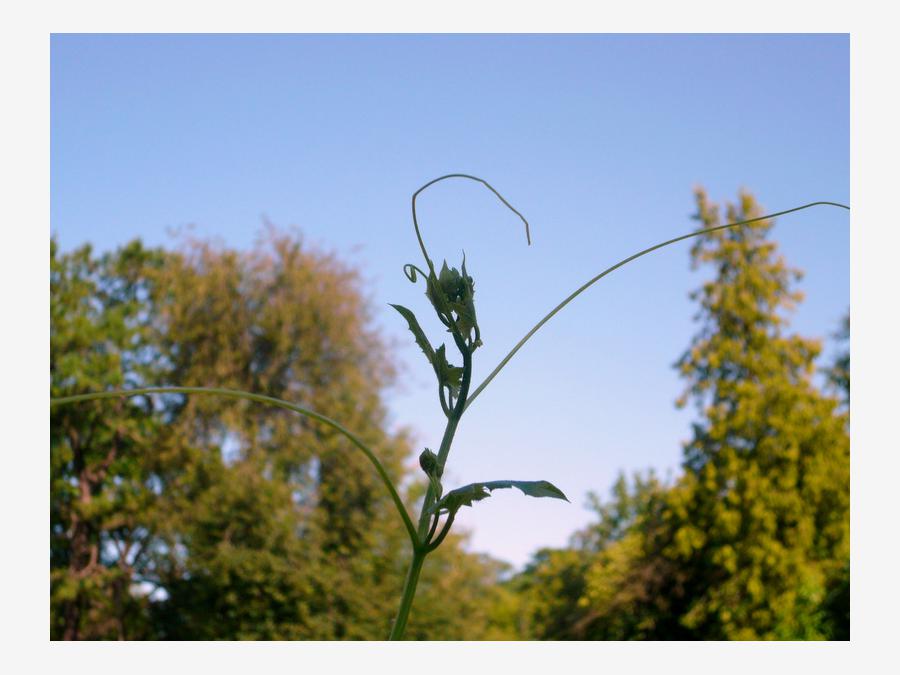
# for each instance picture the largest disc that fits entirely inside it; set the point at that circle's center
(597, 139)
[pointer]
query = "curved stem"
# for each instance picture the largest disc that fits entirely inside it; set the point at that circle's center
(619, 264)
(434, 523)
(277, 402)
(467, 176)
(444, 532)
(443, 398)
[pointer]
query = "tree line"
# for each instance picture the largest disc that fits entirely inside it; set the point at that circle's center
(188, 517)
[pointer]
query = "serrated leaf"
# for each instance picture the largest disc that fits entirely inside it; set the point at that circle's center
(465, 315)
(452, 283)
(469, 494)
(417, 331)
(435, 294)
(467, 312)
(446, 276)
(464, 496)
(532, 488)
(448, 375)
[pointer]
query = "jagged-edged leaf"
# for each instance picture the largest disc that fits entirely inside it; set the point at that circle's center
(417, 331)
(445, 275)
(452, 294)
(469, 494)
(453, 283)
(465, 315)
(448, 375)
(468, 311)
(435, 294)
(463, 496)
(532, 488)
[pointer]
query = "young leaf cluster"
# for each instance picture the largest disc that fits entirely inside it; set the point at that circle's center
(452, 295)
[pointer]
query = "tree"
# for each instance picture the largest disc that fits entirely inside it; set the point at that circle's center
(763, 528)
(751, 541)
(188, 517)
(100, 502)
(292, 323)
(612, 583)
(837, 600)
(839, 372)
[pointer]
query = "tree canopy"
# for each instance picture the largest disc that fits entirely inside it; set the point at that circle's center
(190, 517)
(195, 517)
(751, 541)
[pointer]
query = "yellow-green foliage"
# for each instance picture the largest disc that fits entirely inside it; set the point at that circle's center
(770, 454)
(752, 540)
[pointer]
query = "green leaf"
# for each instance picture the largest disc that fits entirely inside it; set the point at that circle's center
(469, 494)
(417, 331)
(532, 488)
(465, 315)
(464, 496)
(467, 311)
(435, 294)
(448, 375)
(446, 275)
(452, 283)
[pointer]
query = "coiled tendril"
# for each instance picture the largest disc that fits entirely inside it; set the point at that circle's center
(409, 270)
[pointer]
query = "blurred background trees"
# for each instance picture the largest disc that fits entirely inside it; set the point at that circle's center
(191, 517)
(751, 541)
(194, 517)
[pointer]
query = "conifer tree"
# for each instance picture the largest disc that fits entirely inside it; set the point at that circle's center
(763, 526)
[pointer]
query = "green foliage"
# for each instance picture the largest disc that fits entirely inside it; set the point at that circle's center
(767, 521)
(448, 375)
(417, 332)
(469, 494)
(611, 583)
(839, 372)
(752, 540)
(193, 518)
(265, 519)
(453, 296)
(100, 503)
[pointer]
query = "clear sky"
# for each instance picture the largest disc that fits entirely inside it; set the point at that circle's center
(597, 139)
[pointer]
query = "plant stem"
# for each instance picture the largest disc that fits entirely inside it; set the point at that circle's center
(421, 550)
(409, 593)
(619, 264)
(449, 431)
(443, 451)
(277, 402)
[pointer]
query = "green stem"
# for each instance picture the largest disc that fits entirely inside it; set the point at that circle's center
(449, 431)
(444, 532)
(458, 175)
(420, 551)
(409, 593)
(277, 402)
(415, 565)
(619, 264)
